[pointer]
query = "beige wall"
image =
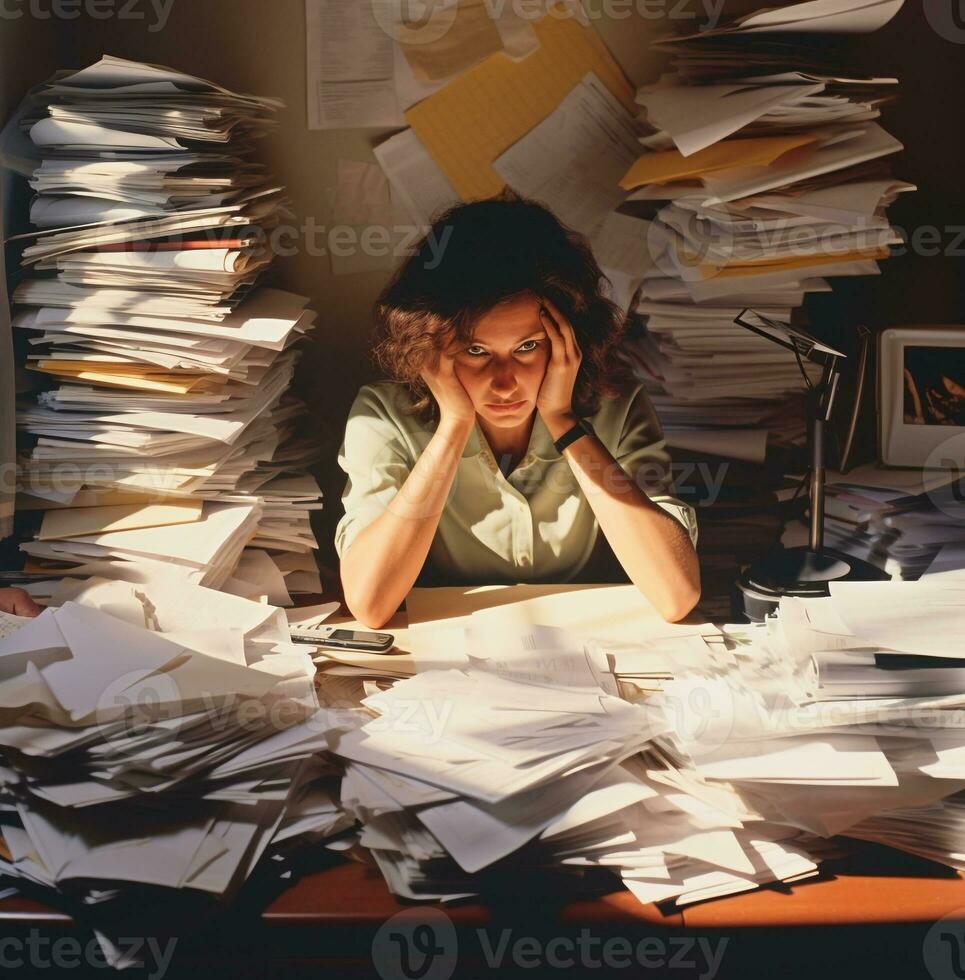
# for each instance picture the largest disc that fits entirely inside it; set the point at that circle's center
(28, 54)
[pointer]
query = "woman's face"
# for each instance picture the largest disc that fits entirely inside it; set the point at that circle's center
(505, 362)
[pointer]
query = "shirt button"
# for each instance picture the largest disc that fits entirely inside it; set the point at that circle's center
(524, 559)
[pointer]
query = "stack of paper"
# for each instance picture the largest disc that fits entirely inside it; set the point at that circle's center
(764, 176)
(141, 746)
(203, 540)
(841, 708)
(899, 520)
(821, 18)
(167, 358)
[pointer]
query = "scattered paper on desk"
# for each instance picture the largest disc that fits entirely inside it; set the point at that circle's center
(9, 623)
(303, 617)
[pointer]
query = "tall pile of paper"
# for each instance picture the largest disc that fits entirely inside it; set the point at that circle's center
(143, 747)
(166, 431)
(763, 173)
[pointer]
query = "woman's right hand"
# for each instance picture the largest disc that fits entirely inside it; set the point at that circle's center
(454, 402)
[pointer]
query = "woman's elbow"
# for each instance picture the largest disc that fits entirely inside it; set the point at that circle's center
(371, 620)
(673, 612)
(364, 611)
(363, 604)
(679, 603)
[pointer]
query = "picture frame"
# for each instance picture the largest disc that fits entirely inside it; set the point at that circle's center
(921, 395)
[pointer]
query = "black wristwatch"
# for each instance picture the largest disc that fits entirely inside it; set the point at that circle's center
(582, 428)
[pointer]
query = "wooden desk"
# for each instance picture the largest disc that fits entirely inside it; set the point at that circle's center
(872, 886)
(326, 924)
(852, 892)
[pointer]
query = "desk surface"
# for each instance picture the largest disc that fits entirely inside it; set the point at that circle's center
(857, 891)
(353, 894)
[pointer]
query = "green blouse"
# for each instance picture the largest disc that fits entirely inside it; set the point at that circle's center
(534, 525)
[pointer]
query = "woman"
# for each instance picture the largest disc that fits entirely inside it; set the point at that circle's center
(511, 433)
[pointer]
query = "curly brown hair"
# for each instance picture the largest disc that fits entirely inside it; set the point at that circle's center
(478, 255)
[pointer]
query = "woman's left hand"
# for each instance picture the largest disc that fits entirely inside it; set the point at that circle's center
(555, 399)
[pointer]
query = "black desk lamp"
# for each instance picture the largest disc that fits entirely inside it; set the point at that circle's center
(802, 571)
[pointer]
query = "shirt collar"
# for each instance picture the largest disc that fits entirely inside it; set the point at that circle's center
(540, 443)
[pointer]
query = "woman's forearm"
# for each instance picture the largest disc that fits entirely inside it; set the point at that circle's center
(653, 547)
(385, 559)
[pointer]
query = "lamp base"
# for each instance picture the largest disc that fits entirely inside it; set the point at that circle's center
(796, 572)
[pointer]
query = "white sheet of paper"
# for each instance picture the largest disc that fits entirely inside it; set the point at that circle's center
(350, 67)
(597, 138)
(302, 617)
(416, 179)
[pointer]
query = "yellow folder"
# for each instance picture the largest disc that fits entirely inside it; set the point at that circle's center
(667, 165)
(759, 268)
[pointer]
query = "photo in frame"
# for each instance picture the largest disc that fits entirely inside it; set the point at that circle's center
(921, 396)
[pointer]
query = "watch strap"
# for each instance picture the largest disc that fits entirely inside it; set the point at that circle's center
(581, 428)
